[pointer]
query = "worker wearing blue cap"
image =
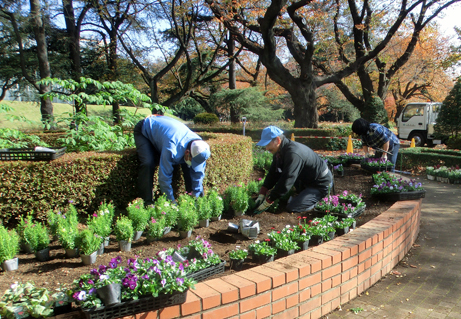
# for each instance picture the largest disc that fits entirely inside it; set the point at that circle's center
(294, 164)
(166, 142)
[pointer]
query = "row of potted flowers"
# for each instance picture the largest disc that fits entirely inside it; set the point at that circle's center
(444, 174)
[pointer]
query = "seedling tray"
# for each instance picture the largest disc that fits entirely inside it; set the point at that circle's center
(203, 274)
(29, 154)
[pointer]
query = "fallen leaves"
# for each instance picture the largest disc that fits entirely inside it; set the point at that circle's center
(413, 266)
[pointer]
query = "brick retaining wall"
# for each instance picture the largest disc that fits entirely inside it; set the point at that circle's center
(311, 283)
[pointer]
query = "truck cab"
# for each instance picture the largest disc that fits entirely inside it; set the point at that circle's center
(417, 121)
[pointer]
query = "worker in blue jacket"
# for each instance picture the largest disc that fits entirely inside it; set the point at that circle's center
(164, 141)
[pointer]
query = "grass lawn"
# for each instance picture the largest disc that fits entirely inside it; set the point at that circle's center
(31, 111)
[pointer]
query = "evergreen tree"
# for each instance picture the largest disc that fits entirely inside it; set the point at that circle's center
(449, 118)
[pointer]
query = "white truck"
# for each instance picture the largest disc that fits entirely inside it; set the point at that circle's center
(417, 121)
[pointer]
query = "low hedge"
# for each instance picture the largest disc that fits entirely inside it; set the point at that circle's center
(423, 156)
(89, 178)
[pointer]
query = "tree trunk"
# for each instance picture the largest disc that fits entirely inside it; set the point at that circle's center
(234, 115)
(305, 104)
(114, 73)
(46, 108)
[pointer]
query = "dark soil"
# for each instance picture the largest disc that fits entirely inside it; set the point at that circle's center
(61, 271)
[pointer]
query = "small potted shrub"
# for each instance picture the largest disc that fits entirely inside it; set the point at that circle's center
(36, 235)
(100, 224)
(238, 199)
(237, 257)
(187, 218)
(106, 211)
(203, 211)
(216, 204)
(88, 243)
(67, 231)
(123, 231)
(139, 217)
(23, 223)
(164, 207)
(9, 248)
(155, 229)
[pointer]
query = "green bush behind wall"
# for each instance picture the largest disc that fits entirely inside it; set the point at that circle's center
(89, 178)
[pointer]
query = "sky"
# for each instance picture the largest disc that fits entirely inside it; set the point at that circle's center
(450, 20)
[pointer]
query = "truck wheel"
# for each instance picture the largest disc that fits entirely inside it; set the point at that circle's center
(419, 139)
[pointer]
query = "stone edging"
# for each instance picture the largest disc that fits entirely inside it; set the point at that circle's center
(311, 283)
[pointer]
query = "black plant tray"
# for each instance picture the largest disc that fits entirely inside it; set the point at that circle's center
(355, 213)
(133, 307)
(203, 274)
(374, 169)
(400, 196)
(29, 154)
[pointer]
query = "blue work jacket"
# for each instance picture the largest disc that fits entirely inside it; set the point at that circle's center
(170, 139)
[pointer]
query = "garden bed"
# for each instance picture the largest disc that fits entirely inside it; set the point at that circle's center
(60, 270)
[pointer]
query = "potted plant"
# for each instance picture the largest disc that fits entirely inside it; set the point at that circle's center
(106, 211)
(36, 235)
(238, 199)
(123, 231)
(9, 248)
(67, 231)
(88, 243)
(216, 204)
(23, 223)
(302, 236)
(285, 247)
(155, 229)
(430, 172)
(139, 217)
(100, 223)
(339, 170)
(389, 187)
(203, 211)
(187, 218)
(52, 221)
(237, 257)
(164, 207)
(262, 252)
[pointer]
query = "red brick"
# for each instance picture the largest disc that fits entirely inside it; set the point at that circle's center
(222, 312)
(263, 283)
(146, 315)
(364, 255)
(288, 314)
(170, 312)
(335, 255)
(315, 314)
(248, 315)
(326, 260)
(301, 264)
(197, 316)
(349, 263)
(284, 291)
(246, 287)
(278, 306)
(331, 271)
(349, 285)
(255, 302)
(336, 280)
(304, 295)
(291, 273)
(326, 284)
(210, 297)
(310, 305)
(192, 304)
(228, 292)
(309, 281)
(326, 308)
(292, 301)
(330, 295)
(278, 278)
(262, 312)
(316, 289)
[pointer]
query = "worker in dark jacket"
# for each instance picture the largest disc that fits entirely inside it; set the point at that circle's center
(164, 141)
(294, 164)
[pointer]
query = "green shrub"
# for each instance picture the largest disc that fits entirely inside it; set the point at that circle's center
(88, 242)
(449, 117)
(36, 235)
(187, 217)
(206, 118)
(123, 229)
(138, 214)
(9, 244)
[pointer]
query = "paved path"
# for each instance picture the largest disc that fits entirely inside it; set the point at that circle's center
(427, 282)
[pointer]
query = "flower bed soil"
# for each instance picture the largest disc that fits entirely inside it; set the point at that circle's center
(61, 271)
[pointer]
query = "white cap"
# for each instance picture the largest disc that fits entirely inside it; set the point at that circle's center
(200, 152)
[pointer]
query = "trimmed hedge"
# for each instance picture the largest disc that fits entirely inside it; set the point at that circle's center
(424, 156)
(255, 134)
(89, 178)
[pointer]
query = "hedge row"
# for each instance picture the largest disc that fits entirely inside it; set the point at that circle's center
(90, 178)
(422, 156)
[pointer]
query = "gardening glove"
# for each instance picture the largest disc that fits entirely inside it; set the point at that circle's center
(263, 207)
(260, 200)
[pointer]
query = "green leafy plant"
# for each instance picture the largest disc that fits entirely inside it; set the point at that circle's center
(123, 229)
(187, 218)
(101, 220)
(385, 183)
(36, 235)
(216, 203)
(262, 248)
(156, 227)
(138, 214)
(88, 242)
(356, 310)
(164, 207)
(262, 159)
(206, 118)
(238, 253)
(9, 244)
(37, 302)
(237, 197)
(203, 208)
(67, 228)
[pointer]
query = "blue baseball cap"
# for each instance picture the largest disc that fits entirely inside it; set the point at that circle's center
(268, 134)
(200, 151)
